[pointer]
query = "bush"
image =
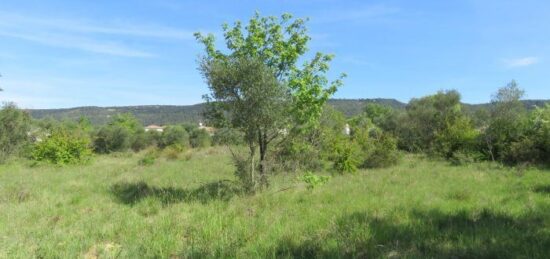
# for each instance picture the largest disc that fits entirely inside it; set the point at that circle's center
(200, 138)
(174, 135)
(346, 157)
(112, 139)
(14, 125)
(245, 171)
(227, 136)
(312, 181)
(123, 132)
(297, 154)
(141, 140)
(149, 158)
(62, 148)
(457, 136)
(172, 153)
(382, 152)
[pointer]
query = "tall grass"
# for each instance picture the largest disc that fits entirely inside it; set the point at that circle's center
(191, 208)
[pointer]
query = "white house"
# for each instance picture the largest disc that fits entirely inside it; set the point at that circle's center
(154, 127)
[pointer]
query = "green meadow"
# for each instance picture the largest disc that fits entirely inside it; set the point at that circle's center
(191, 207)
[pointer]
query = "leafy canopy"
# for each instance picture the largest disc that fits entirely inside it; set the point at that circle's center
(279, 44)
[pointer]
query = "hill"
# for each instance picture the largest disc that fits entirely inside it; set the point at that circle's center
(172, 114)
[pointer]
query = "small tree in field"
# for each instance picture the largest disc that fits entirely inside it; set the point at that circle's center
(257, 86)
(507, 122)
(14, 126)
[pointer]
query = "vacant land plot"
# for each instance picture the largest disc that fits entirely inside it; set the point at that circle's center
(191, 207)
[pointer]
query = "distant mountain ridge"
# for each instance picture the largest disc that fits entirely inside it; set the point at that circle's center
(173, 114)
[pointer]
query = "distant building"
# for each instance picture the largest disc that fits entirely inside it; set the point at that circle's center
(210, 130)
(154, 127)
(347, 129)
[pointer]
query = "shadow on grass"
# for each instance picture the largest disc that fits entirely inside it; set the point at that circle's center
(131, 193)
(543, 189)
(428, 234)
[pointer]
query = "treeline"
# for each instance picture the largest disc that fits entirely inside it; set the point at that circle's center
(172, 114)
(74, 142)
(436, 125)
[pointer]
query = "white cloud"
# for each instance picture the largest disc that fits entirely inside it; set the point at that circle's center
(521, 62)
(105, 38)
(82, 26)
(66, 41)
(356, 14)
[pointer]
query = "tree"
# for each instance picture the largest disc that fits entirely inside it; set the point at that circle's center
(437, 125)
(507, 120)
(174, 135)
(259, 61)
(119, 134)
(253, 100)
(14, 128)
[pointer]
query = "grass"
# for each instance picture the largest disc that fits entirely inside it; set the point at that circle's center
(190, 207)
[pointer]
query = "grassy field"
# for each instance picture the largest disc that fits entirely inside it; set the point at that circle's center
(189, 207)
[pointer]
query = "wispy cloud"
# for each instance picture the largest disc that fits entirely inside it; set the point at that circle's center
(82, 26)
(520, 62)
(356, 14)
(82, 35)
(81, 43)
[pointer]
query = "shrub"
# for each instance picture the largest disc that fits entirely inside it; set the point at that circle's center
(297, 154)
(142, 140)
(312, 181)
(14, 125)
(123, 132)
(173, 152)
(200, 138)
(63, 148)
(382, 152)
(462, 158)
(112, 138)
(149, 158)
(227, 136)
(245, 171)
(346, 157)
(174, 135)
(457, 136)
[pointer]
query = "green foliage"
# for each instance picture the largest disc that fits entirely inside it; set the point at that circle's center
(313, 181)
(346, 157)
(296, 154)
(142, 140)
(112, 139)
(199, 138)
(533, 146)
(436, 125)
(62, 148)
(148, 159)
(14, 128)
(227, 136)
(257, 87)
(383, 116)
(457, 136)
(507, 123)
(245, 171)
(381, 152)
(539, 126)
(174, 135)
(123, 132)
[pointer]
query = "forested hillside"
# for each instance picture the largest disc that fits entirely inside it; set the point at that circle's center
(173, 114)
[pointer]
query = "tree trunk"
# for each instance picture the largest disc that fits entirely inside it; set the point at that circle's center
(262, 141)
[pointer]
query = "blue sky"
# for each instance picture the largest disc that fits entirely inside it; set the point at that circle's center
(65, 53)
